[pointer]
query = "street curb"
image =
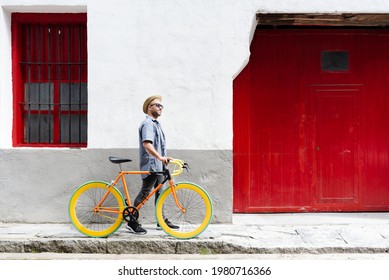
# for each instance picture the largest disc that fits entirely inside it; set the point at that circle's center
(163, 246)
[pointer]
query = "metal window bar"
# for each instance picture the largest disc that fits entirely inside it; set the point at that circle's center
(48, 77)
(79, 84)
(39, 81)
(27, 96)
(69, 82)
(59, 37)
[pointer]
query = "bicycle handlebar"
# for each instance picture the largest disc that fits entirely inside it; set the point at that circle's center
(180, 164)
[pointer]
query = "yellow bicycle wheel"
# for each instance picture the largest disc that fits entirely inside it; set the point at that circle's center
(197, 212)
(95, 221)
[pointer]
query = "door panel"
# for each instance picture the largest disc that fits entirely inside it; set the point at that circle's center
(335, 144)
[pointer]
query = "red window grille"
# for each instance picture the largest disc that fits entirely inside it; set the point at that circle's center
(49, 57)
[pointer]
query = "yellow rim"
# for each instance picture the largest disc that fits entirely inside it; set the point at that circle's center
(207, 208)
(101, 187)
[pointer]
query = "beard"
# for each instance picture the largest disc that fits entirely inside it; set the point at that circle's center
(156, 114)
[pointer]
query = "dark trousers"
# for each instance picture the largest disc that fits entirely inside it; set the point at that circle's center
(150, 182)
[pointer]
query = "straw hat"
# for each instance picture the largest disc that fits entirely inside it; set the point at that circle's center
(149, 100)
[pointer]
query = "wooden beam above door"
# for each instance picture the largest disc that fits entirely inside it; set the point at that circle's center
(343, 19)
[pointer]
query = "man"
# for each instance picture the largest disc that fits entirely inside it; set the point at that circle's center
(152, 156)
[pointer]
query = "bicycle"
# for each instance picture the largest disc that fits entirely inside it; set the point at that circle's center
(98, 209)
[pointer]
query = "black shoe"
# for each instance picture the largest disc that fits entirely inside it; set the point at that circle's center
(135, 228)
(169, 224)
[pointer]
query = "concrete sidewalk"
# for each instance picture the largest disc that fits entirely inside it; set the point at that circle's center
(324, 233)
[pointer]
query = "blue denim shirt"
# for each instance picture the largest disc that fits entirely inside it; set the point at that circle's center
(150, 130)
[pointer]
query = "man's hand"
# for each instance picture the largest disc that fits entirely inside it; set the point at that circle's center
(165, 160)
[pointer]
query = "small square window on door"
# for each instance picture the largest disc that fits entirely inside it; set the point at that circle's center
(334, 61)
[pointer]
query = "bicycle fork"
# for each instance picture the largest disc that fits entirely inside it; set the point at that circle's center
(183, 210)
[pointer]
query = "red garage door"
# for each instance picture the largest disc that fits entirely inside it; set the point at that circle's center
(311, 119)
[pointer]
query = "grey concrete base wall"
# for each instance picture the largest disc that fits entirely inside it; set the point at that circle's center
(36, 185)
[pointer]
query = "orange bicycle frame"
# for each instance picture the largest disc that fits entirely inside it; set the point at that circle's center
(127, 195)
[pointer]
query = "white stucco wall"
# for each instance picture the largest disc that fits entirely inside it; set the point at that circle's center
(188, 51)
